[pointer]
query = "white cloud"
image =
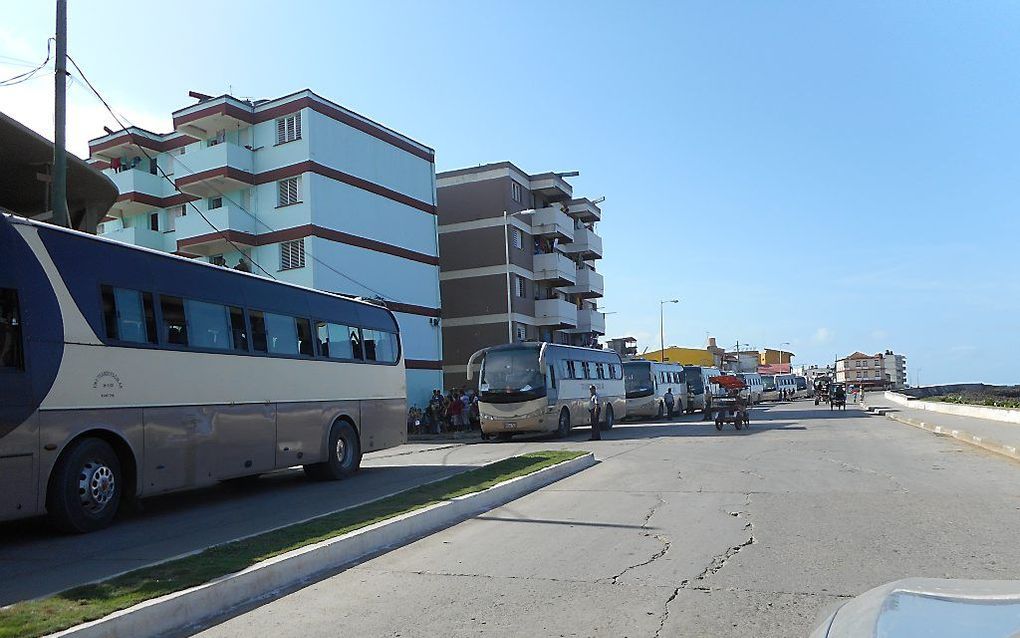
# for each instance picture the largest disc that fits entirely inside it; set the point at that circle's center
(822, 335)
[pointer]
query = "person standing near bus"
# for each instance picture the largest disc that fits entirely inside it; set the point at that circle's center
(670, 402)
(593, 410)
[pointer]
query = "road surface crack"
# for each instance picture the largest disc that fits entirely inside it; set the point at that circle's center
(850, 467)
(648, 534)
(665, 610)
(719, 560)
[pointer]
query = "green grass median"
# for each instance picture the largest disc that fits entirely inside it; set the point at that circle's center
(89, 602)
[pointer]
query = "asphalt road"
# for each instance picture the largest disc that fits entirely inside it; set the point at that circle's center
(681, 530)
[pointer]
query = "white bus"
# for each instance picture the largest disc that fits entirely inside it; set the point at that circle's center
(755, 386)
(786, 386)
(536, 387)
(646, 383)
(127, 372)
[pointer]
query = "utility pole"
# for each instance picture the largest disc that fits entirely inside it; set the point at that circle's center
(662, 332)
(58, 186)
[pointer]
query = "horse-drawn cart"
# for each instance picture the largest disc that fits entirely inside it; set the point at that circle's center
(732, 408)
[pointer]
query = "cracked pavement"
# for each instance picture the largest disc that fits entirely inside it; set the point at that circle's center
(685, 531)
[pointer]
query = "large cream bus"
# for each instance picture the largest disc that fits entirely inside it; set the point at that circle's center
(534, 387)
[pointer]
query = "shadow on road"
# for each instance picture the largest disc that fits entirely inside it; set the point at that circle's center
(35, 560)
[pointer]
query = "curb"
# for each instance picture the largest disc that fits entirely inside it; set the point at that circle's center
(190, 607)
(982, 442)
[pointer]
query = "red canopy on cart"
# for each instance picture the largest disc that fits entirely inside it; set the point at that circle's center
(729, 382)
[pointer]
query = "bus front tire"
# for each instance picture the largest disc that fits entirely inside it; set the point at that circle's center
(344, 455)
(563, 430)
(85, 487)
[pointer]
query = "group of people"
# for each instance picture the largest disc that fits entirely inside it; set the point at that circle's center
(457, 410)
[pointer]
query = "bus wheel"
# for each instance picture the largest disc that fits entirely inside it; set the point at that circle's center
(608, 423)
(564, 425)
(85, 488)
(344, 455)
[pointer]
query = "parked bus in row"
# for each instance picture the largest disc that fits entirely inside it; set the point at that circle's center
(127, 372)
(755, 386)
(646, 383)
(701, 391)
(534, 387)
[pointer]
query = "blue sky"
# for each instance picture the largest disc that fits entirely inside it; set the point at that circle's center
(841, 176)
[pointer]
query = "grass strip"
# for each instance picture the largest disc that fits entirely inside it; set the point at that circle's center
(88, 602)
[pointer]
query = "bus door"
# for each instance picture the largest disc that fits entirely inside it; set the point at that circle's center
(15, 386)
(552, 385)
(19, 431)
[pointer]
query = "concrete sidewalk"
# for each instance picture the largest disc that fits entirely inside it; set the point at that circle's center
(995, 436)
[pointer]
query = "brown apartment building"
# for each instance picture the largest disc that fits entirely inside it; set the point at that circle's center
(517, 255)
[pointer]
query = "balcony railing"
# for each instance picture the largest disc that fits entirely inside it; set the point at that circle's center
(192, 227)
(555, 312)
(588, 284)
(552, 222)
(555, 268)
(137, 236)
(589, 320)
(586, 244)
(214, 170)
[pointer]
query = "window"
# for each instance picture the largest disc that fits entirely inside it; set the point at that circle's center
(617, 371)
(215, 326)
(518, 239)
(600, 370)
(280, 334)
(215, 202)
(128, 315)
(571, 370)
(288, 191)
(379, 346)
(175, 326)
(515, 191)
(522, 333)
(171, 217)
(154, 222)
(288, 128)
(586, 369)
(292, 254)
(12, 356)
(337, 341)
(518, 285)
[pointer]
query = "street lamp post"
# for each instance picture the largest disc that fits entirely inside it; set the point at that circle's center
(662, 330)
(785, 343)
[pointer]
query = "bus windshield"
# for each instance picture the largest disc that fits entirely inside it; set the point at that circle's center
(769, 381)
(695, 383)
(511, 375)
(638, 379)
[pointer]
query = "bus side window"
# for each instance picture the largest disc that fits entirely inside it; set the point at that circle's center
(11, 353)
(586, 369)
(552, 376)
(259, 339)
(128, 315)
(175, 326)
(571, 370)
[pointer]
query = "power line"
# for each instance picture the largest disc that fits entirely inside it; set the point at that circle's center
(177, 159)
(163, 173)
(27, 75)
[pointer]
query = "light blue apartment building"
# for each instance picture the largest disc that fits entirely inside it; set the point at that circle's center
(299, 187)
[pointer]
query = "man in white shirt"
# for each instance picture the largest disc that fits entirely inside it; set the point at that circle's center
(594, 409)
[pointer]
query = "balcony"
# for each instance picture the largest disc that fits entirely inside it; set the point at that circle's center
(552, 222)
(556, 268)
(555, 312)
(214, 170)
(590, 320)
(586, 244)
(195, 235)
(588, 284)
(137, 236)
(140, 191)
(584, 210)
(551, 186)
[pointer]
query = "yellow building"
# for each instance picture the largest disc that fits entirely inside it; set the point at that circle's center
(768, 356)
(685, 356)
